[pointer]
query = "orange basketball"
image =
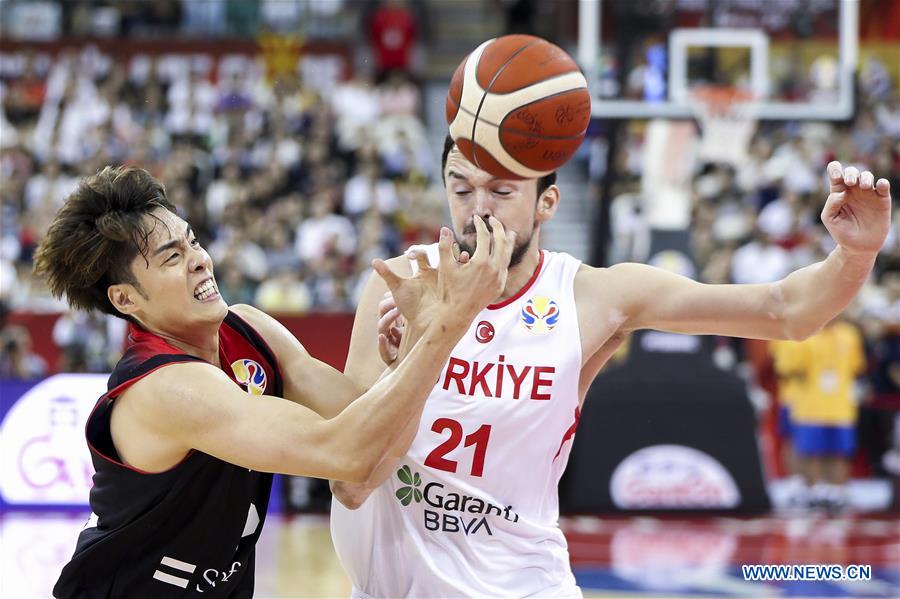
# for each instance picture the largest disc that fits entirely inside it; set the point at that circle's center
(518, 107)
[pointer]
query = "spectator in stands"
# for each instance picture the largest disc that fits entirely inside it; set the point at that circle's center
(879, 414)
(89, 341)
(17, 360)
(368, 190)
(789, 369)
(284, 292)
(324, 233)
(824, 412)
(393, 32)
(760, 261)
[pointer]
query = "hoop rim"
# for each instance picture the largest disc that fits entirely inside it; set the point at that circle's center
(720, 100)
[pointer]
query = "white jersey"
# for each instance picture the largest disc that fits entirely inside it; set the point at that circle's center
(473, 508)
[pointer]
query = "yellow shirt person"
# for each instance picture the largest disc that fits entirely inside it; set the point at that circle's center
(823, 411)
(830, 361)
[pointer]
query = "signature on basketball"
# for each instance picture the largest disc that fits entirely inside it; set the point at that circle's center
(530, 119)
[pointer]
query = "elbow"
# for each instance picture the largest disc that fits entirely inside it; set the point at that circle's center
(356, 468)
(796, 329)
(350, 458)
(796, 319)
(351, 497)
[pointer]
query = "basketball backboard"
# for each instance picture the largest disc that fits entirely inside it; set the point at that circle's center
(796, 57)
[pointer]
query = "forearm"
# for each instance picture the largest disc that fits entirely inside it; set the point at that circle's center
(352, 495)
(811, 297)
(371, 424)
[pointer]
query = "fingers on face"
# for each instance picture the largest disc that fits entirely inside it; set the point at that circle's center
(483, 239)
(504, 242)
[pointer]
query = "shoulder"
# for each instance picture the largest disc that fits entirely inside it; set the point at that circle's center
(591, 280)
(275, 334)
(168, 394)
(253, 316)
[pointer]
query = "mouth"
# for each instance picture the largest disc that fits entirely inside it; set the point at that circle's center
(206, 290)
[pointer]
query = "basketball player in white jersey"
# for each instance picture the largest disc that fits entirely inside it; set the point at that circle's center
(469, 507)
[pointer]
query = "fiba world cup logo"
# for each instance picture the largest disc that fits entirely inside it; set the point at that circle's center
(540, 314)
(250, 375)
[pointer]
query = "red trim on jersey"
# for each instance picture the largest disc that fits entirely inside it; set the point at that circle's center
(570, 432)
(109, 395)
(276, 366)
(525, 287)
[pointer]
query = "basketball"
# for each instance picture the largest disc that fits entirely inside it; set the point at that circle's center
(518, 107)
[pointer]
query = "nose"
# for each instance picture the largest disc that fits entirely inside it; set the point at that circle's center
(483, 205)
(200, 260)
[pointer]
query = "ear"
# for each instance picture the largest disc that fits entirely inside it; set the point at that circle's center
(122, 296)
(547, 204)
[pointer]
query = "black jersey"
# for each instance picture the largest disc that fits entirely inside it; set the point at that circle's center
(190, 531)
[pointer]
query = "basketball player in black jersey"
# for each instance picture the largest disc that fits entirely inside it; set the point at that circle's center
(195, 419)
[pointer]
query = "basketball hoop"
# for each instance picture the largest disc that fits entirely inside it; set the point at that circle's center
(727, 118)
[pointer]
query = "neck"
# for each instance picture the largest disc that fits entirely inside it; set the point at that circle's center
(521, 273)
(200, 343)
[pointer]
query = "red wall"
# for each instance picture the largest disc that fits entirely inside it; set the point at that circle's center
(326, 336)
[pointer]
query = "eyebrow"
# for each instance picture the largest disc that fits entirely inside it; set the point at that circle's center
(170, 244)
(456, 175)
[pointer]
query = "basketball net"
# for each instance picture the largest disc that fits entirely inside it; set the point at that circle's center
(727, 119)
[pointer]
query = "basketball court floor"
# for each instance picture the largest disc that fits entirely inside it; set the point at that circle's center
(612, 557)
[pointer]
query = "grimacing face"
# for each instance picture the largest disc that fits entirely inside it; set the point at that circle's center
(514, 203)
(178, 290)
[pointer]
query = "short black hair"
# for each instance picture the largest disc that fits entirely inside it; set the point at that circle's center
(97, 233)
(542, 184)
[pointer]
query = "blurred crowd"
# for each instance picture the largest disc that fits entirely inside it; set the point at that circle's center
(757, 220)
(293, 185)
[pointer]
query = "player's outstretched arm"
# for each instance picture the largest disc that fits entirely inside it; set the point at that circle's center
(857, 214)
(195, 406)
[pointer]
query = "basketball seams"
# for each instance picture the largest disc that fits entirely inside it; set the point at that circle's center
(487, 90)
(511, 114)
(540, 81)
(462, 108)
(536, 136)
(497, 110)
(498, 130)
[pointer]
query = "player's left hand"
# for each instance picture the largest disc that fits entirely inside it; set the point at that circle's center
(858, 210)
(390, 327)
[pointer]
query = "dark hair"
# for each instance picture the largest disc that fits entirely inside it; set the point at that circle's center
(97, 233)
(542, 184)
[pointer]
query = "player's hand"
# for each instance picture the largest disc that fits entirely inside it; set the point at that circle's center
(858, 210)
(390, 328)
(461, 286)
